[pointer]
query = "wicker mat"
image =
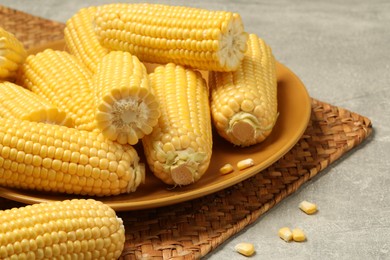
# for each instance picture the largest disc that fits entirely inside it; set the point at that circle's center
(193, 229)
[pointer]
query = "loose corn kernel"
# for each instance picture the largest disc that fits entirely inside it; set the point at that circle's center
(243, 164)
(227, 168)
(285, 234)
(298, 235)
(246, 249)
(308, 207)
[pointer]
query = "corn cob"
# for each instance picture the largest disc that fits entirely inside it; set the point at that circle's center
(244, 102)
(12, 54)
(179, 148)
(64, 81)
(53, 158)
(201, 39)
(18, 102)
(126, 108)
(70, 229)
(81, 40)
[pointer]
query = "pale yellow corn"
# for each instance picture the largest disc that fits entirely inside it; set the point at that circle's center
(246, 163)
(246, 249)
(12, 55)
(285, 233)
(298, 235)
(81, 40)
(227, 168)
(70, 229)
(179, 148)
(244, 102)
(18, 102)
(156, 33)
(126, 108)
(64, 81)
(53, 158)
(308, 207)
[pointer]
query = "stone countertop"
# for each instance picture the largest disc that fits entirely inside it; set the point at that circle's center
(341, 52)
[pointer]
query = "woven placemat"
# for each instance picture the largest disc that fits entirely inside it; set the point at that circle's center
(193, 229)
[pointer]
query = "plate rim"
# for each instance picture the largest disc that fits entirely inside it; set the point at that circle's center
(122, 205)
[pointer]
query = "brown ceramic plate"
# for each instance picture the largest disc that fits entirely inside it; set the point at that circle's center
(294, 112)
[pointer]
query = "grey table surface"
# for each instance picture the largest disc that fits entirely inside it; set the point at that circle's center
(341, 52)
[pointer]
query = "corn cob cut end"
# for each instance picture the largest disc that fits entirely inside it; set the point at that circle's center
(51, 116)
(127, 109)
(127, 116)
(233, 44)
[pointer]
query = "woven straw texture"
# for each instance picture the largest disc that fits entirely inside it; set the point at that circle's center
(193, 229)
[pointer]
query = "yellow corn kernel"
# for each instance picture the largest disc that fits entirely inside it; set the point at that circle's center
(285, 234)
(246, 249)
(126, 108)
(156, 33)
(58, 230)
(308, 207)
(298, 235)
(18, 102)
(179, 148)
(12, 55)
(227, 168)
(65, 160)
(244, 102)
(243, 164)
(64, 81)
(81, 40)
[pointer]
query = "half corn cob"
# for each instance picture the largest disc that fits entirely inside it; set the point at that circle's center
(244, 102)
(201, 39)
(12, 54)
(70, 229)
(126, 108)
(179, 148)
(64, 81)
(81, 40)
(18, 102)
(55, 158)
